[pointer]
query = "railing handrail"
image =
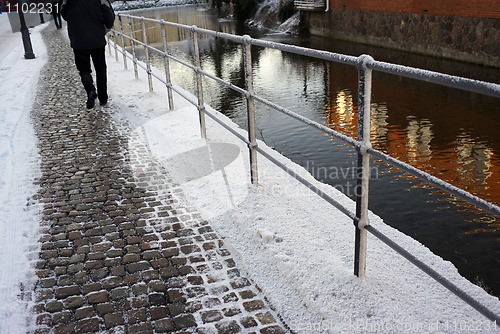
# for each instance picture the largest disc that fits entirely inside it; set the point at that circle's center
(471, 85)
(475, 86)
(365, 65)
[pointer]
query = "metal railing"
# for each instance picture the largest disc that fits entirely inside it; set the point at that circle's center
(365, 65)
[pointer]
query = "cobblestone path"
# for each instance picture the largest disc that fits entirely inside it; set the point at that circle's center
(120, 253)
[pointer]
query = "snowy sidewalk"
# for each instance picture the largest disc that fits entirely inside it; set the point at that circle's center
(147, 228)
(119, 253)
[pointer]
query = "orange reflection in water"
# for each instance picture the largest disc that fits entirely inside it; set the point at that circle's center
(459, 156)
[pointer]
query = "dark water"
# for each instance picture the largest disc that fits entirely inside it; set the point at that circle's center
(446, 132)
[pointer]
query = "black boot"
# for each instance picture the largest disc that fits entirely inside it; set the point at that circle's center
(103, 98)
(91, 99)
(103, 102)
(88, 84)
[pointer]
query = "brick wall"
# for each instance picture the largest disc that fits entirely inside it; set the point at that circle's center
(475, 40)
(465, 8)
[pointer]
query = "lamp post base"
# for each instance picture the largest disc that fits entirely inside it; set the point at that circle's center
(28, 49)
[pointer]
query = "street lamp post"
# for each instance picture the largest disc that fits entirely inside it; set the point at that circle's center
(28, 49)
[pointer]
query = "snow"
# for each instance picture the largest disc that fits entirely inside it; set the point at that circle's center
(296, 247)
(267, 16)
(291, 24)
(19, 167)
(140, 4)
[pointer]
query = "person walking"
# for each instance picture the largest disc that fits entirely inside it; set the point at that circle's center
(88, 21)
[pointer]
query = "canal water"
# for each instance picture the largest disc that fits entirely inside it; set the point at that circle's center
(449, 133)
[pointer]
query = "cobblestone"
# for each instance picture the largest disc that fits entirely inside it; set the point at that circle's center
(119, 253)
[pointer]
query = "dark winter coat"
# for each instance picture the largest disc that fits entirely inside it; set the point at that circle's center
(87, 22)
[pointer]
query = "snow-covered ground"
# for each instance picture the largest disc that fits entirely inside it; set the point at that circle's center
(293, 245)
(19, 214)
(138, 4)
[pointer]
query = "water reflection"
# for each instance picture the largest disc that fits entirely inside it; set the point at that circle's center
(419, 136)
(445, 132)
(474, 161)
(341, 115)
(184, 14)
(379, 126)
(468, 164)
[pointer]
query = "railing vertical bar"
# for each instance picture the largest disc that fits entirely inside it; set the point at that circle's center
(146, 50)
(166, 64)
(199, 90)
(363, 167)
(116, 44)
(247, 63)
(109, 44)
(134, 56)
(123, 43)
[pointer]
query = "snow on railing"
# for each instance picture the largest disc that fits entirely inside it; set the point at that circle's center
(365, 65)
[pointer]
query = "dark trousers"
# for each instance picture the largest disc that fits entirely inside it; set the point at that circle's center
(57, 18)
(82, 61)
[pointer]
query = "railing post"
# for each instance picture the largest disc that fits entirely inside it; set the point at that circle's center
(167, 66)
(363, 170)
(123, 42)
(132, 42)
(146, 50)
(199, 90)
(109, 44)
(116, 44)
(247, 63)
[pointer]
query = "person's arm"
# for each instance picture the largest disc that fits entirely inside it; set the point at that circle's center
(108, 16)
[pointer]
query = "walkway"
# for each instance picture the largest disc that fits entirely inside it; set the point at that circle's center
(119, 253)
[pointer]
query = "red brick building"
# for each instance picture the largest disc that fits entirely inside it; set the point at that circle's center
(465, 8)
(458, 29)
